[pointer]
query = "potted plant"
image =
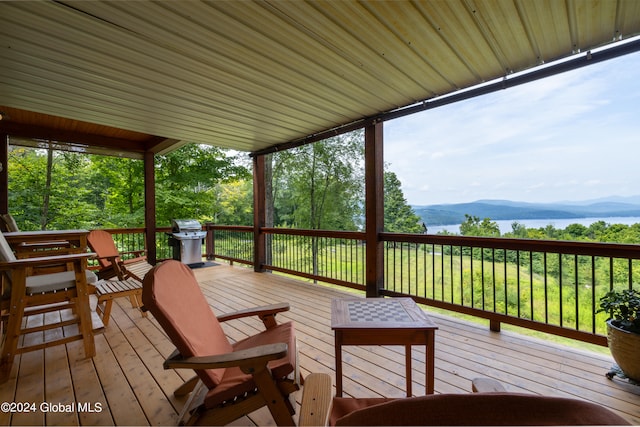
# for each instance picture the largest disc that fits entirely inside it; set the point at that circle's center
(623, 329)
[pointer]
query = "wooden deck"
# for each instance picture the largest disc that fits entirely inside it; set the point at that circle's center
(126, 385)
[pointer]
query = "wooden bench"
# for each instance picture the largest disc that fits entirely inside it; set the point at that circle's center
(108, 290)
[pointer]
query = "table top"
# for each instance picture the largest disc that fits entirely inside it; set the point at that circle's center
(378, 313)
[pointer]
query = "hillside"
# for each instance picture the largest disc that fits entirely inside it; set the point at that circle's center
(506, 210)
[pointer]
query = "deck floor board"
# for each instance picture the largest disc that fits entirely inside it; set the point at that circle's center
(126, 377)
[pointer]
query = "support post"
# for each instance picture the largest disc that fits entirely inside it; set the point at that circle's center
(150, 206)
(259, 213)
(4, 173)
(374, 207)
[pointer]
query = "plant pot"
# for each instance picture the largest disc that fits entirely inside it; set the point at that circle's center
(625, 349)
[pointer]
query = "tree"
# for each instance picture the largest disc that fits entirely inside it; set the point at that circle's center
(234, 203)
(472, 226)
(62, 190)
(320, 185)
(47, 189)
(118, 191)
(518, 230)
(399, 217)
(26, 186)
(186, 181)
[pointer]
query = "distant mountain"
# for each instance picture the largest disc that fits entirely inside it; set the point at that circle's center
(506, 210)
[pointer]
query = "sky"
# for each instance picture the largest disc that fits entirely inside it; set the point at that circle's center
(571, 137)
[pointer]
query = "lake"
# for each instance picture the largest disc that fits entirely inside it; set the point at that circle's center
(559, 223)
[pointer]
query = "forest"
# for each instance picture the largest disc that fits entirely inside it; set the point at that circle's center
(318, 186)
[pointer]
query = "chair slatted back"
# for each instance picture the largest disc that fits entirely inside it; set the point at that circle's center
(101, 242)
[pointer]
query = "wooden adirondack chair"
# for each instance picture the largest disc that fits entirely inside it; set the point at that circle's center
(238, 378)
(110, 259)
(489, 405)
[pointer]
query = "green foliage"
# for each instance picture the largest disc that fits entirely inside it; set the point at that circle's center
(623, 307)
(90, 191)
(55, 200)
(187, 179)
(118, 191)
(399, 217)
(472, 226)
(234, 203)
(320, 185)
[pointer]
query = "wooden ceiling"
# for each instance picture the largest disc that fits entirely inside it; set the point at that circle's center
(131, 76)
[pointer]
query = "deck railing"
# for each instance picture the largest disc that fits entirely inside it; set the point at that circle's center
(336, 257)
(548, 286)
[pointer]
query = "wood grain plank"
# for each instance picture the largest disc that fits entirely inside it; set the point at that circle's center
(149, 395)
(58, 381)
(30, 382)
(87, 387)
(120, 398)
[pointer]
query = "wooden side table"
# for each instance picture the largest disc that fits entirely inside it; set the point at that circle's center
(383, 321)
(108, 290)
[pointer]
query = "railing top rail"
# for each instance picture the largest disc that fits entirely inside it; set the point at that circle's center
(244, 228)
(131, 230)
(358, 235)
(614, 250)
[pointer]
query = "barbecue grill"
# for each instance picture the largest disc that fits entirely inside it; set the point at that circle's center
(186, 239)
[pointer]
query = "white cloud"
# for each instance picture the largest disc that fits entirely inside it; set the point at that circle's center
(568, 137)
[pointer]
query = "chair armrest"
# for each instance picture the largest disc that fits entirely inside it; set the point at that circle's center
(39, 261)
(317, 397)
(133, 260)
(249, 360)
(136, 253)
(487, 385)
(111, 258)
(266, 313)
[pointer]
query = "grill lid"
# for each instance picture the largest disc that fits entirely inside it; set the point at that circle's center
(182, 225)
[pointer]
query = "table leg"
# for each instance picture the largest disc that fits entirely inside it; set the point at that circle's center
(338, 346)
(407, 354)
(430, 362)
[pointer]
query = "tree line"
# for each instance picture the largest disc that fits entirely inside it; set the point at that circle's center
(599, 231)
(317, 186)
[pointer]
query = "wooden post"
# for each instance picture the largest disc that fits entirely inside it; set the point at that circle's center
(4, 174)
(374, 207)
(150, 206)
(259, 213)
(210, 247)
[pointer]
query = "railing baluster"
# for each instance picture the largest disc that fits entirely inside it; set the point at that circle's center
(531, 294)
(577, 292)
(560, 284)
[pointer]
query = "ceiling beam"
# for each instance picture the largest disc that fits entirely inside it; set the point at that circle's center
(67, 136)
